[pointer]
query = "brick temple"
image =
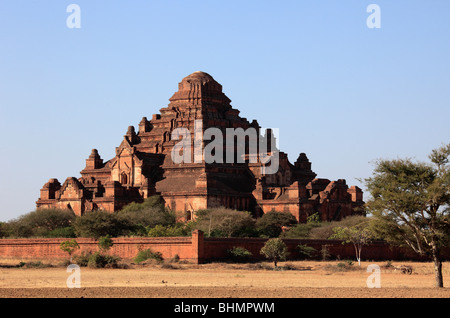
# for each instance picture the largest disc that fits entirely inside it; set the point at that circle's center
(143, 167)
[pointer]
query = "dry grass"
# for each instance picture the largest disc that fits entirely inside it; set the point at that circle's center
(292, 279)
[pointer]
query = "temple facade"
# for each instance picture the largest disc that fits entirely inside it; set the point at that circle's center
(144, 166)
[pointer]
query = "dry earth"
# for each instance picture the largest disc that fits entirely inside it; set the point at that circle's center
(304, 279)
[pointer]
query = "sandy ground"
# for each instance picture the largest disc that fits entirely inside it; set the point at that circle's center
(305, 279)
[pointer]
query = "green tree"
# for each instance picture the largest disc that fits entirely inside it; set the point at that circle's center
(96, 224)
(410, 204)
(276, 250)
(271, 223)
(147, 214)
(69, 247)
(153, 202)
(325, 230)
(105, 243)
(222, 222)
(40, 223)
(306, 251)
(178, 229)
(239, 254)
(359, 235)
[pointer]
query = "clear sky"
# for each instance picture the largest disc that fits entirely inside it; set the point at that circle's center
(341, 92)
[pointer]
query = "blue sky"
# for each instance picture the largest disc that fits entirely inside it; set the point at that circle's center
(340, 92)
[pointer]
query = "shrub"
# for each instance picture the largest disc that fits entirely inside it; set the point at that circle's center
(239, 254)
(306, 251)
(69, 246)
(325, 230)
(341, 267)
(299, 231)
(83, 259)
(39, 223)
(223, 222)
(147, 254)
(175, 259)
(168, 231)
(275, 249)
(100, 223)
(153, 202)
(99, 260)
(67, 231)
(271, 223)
(37, 264)
(147, 214)
(105, 243)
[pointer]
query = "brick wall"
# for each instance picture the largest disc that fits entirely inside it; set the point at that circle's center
(216, 248)
(197, 249)
(48, 248)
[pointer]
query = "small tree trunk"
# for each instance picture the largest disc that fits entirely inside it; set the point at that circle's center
(358, 253)
(437, 270)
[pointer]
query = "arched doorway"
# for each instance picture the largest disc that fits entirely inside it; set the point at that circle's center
(123, 178)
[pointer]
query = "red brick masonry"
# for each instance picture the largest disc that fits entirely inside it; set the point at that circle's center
(195, 249)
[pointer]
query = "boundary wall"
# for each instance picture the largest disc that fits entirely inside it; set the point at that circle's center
(198, 249)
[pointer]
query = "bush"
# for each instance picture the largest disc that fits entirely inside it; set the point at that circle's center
(39, 223)
(99, 260)
(37, 264)
(105, 243)
(148, 214)
(341, 267)
(175, 259)
(271, 223)
(299, 231)
(66, 232)
(223, 222)
(147, 254)
(100, 223)
(306, 251)
(178, 229)
(82, 260)
(275, 249)
(153, 202)
(239, 254)
(96, 260)
(69, 246)
(325, 230)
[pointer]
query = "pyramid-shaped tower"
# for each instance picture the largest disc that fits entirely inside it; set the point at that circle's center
(144, 165)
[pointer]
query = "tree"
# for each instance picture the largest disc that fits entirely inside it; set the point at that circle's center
(410, 204)
(275, 249)
(306, 251)
(69, 247)
(179, 229)
(105, 243)
(271, 223)
(153, 202)
(223, 222)
(147, 214)
(359, 235)
(41, 223)
(96, 224)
